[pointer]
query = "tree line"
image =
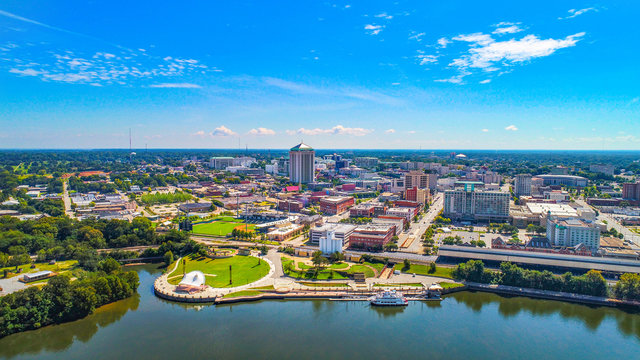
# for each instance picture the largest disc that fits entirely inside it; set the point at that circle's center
(62, 300)
(591, 283)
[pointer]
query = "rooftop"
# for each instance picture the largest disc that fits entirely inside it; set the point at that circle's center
(302, 147)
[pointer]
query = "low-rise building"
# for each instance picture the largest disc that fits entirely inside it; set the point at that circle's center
(371, 236)
(334, 205)
(362, 210)
(330, 244)
(284, 231)
(340, 231)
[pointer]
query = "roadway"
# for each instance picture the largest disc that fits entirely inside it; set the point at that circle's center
(613, 223)
(66, 199)
(417, 229)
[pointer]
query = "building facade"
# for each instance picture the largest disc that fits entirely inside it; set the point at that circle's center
(340, 231)
(522, 185)
(371, 236)
(468, 204)
(302, 164)
(334, 205)
(330, 244)
(420, 180)
(568, 232)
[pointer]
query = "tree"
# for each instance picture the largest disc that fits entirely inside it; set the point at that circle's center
(406, 265)
(432, 268)
(109, 265)
(318, 259)
(168, 257)
(391, 246)
(628, 287)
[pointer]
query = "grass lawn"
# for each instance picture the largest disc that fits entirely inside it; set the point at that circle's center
(60, 267)
(399, 285)
(245, 269)
(243, 293)
(448, 285)
(306, 273)
(268, 287)
(443, 272)
(313, 284)
(221, 226)
(362, 269)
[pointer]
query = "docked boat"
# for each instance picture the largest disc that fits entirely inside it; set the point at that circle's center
(389, 298)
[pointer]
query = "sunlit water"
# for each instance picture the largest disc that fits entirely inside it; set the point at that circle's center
(464, 326)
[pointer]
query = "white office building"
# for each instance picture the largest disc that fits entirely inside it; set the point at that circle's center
(330, 244)
(302, 164)
(522, 185)
(567, 232)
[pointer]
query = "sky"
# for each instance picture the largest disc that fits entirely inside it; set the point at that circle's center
(334, 74)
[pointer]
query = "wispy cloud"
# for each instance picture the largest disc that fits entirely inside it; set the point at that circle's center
(485, 130)
(511, 128)
(577, 12)
(443, 42)
(390, 131)
(336, 130)
(507, 28)
(426, 59)
(373, 29)
(176, 85)
(384, 15)
(486, 81)
(414, 35)
(337, 91)
(261, 132)
(100, 68)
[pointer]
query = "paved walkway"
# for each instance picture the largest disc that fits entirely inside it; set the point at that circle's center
(11, 285)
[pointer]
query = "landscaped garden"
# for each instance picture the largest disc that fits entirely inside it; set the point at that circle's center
(336, 271)
(59, 267)
(244, 270)
(220, 226)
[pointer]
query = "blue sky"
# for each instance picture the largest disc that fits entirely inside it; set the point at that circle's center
(337, 74)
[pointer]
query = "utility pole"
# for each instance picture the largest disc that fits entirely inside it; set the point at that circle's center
(230, 278)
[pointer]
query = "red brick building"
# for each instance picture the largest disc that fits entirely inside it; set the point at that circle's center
(290, 205)
(371, 236)
(362, 210)
(334, 205)
(631, 191)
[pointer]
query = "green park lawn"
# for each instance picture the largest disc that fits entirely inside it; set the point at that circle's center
(59, 267)
(417, 269)
(245, 270)
(222, 226)
(243, 293)
(448, 285)
(399, 285)
(314, 284)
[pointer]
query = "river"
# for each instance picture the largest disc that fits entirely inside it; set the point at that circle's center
(465, 325)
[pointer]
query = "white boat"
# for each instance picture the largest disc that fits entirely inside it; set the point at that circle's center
(388, 298)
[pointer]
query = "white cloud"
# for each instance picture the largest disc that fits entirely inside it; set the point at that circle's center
(573, 12)
(443, 42)
(261, 131)
(414, 35)
(486, 81)
(490, 55)
(485, 130)
(176, 85)
(374, 29)
(427, 59)
(411, 131)
(336, 130)
(222, 131)
(507, 30)
(511, 128)
(390, 131)
(384, 15)
(199, 133)
(102, 68)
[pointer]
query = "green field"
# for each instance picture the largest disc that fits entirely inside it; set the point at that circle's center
(243, 293)
(332, 272)
(399, 285)
(60, 267)
(221, 226)
(448, 285)
(444, 272)
(245, 270)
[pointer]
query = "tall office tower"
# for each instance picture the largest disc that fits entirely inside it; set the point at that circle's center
(302, 164)
(522, 185)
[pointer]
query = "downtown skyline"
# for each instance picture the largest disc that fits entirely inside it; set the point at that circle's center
(339, 74)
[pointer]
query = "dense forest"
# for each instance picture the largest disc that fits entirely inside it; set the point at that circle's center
(61, 238)
(62, 300)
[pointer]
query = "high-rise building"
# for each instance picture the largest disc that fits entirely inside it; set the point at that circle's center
(567, 232)
(420, 180)
(468, 204)
(522, 185)
(606, 169)
(631, 191)
(302, 164)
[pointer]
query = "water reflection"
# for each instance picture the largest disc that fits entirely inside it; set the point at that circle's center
(592, 316)
(61, 337)
(388, 311)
